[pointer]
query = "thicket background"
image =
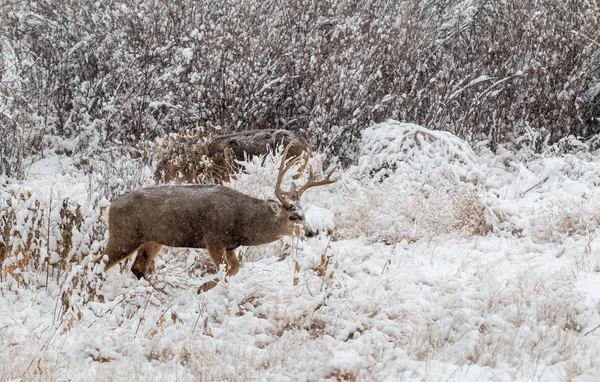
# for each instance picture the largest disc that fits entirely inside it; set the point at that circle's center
(103, 72)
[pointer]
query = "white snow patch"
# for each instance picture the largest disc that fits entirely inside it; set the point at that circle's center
(188, 54)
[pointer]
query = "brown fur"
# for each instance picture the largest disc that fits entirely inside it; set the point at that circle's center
(214, 217)
(224, 150)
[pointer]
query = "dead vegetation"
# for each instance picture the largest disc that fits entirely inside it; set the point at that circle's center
(199, 158)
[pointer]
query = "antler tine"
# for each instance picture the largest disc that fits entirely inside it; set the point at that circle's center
(312, 183)
(279, 193)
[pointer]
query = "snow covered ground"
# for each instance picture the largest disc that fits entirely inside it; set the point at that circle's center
(448, 263)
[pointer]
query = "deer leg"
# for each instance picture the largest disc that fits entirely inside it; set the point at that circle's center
(217, 256)
(233, 263)
(220, 256)
(144, 262)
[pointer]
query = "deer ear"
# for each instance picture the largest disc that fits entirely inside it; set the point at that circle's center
(274, 206)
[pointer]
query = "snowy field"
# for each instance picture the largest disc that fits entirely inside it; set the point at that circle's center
(447, 263)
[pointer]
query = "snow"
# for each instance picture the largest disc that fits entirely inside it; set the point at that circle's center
(593, 92)
(188, 54)
(445, 263)
(395, 147)
(319, 218)
(53, 176)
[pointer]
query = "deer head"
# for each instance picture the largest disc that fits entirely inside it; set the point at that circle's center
(295, 214)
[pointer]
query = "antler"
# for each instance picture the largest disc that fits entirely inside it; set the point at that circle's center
(296, 193)
(312, 183)
(279, 193)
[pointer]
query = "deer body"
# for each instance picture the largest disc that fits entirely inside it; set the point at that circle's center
(258, 142)
(214, 217)
(195, 216)
(225, 150)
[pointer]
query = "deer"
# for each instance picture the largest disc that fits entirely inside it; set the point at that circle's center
(212, 217)
(224, 150)
(216, 159)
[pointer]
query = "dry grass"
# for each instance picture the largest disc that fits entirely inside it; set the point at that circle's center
(389, 212)
(184, 158)
(567, 217)
(35, 236)
(32, 360)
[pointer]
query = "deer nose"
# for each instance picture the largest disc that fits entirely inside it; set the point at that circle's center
(309, 230)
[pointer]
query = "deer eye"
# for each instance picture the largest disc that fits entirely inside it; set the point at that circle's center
(292, 218)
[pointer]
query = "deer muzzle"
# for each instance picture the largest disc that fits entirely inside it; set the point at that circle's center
(309, 230)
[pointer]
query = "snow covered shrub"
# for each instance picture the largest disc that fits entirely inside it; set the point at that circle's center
(390, 211)
(11, 149)
(36, 238)
(115, 171)
(571, 145)
(524, 75)
(197, 157)
(567, 217)
(20, 135)
(11, 145)
(81, 229)
(184, 158)
(416, 154)
(102, 79)
(21, 244)
(412, 183)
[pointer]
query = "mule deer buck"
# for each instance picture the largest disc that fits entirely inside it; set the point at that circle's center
(215, 160)
(214, 217)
